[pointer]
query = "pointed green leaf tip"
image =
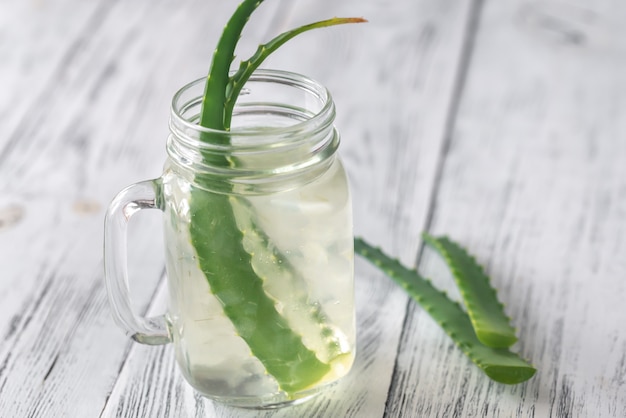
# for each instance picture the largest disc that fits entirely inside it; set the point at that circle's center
(247, 67)
(490, 323)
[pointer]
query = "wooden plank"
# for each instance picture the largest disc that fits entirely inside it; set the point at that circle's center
(392, 83)
(96, 121)
(38, 41)
(533, 183)
(73, 141)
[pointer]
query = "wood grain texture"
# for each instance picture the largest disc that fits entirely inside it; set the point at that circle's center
(533, 182)
(372, 153)
(85, 99)
(68, 145)
(496, 122)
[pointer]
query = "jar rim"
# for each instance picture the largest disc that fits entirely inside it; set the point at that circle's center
(263, 75)
(294, 135)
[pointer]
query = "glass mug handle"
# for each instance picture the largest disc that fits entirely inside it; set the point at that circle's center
(136, 197)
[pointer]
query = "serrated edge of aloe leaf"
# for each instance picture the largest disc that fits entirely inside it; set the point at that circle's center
(491, 324)
(244, 301)
(299, 288)
(500, 364)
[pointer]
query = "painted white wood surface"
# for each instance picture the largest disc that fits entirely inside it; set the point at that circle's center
(534, 182)
(497, 123)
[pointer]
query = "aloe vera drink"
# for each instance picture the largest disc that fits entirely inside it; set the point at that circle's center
(210, 353)
(290, 216)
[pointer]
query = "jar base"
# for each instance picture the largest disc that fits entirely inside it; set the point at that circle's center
(275, 401)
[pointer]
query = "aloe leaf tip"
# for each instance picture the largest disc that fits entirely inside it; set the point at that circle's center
(510, 375)
(492, 326)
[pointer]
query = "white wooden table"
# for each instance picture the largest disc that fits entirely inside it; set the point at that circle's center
(501, 123)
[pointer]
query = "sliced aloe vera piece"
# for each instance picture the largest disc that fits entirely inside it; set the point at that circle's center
(490, 323)
(499, 364)
(228, 269)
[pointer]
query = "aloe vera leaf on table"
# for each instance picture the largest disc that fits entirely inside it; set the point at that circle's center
(490, 323)
(499, 364)
(219, 242)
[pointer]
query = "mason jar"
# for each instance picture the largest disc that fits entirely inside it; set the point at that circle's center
(259, 245)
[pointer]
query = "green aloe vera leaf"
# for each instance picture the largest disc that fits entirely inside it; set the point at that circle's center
(214, 99)
(219, 241)
(490, 323)
(499, 364)
(228, 269)
(247, 67)
(287, 285)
